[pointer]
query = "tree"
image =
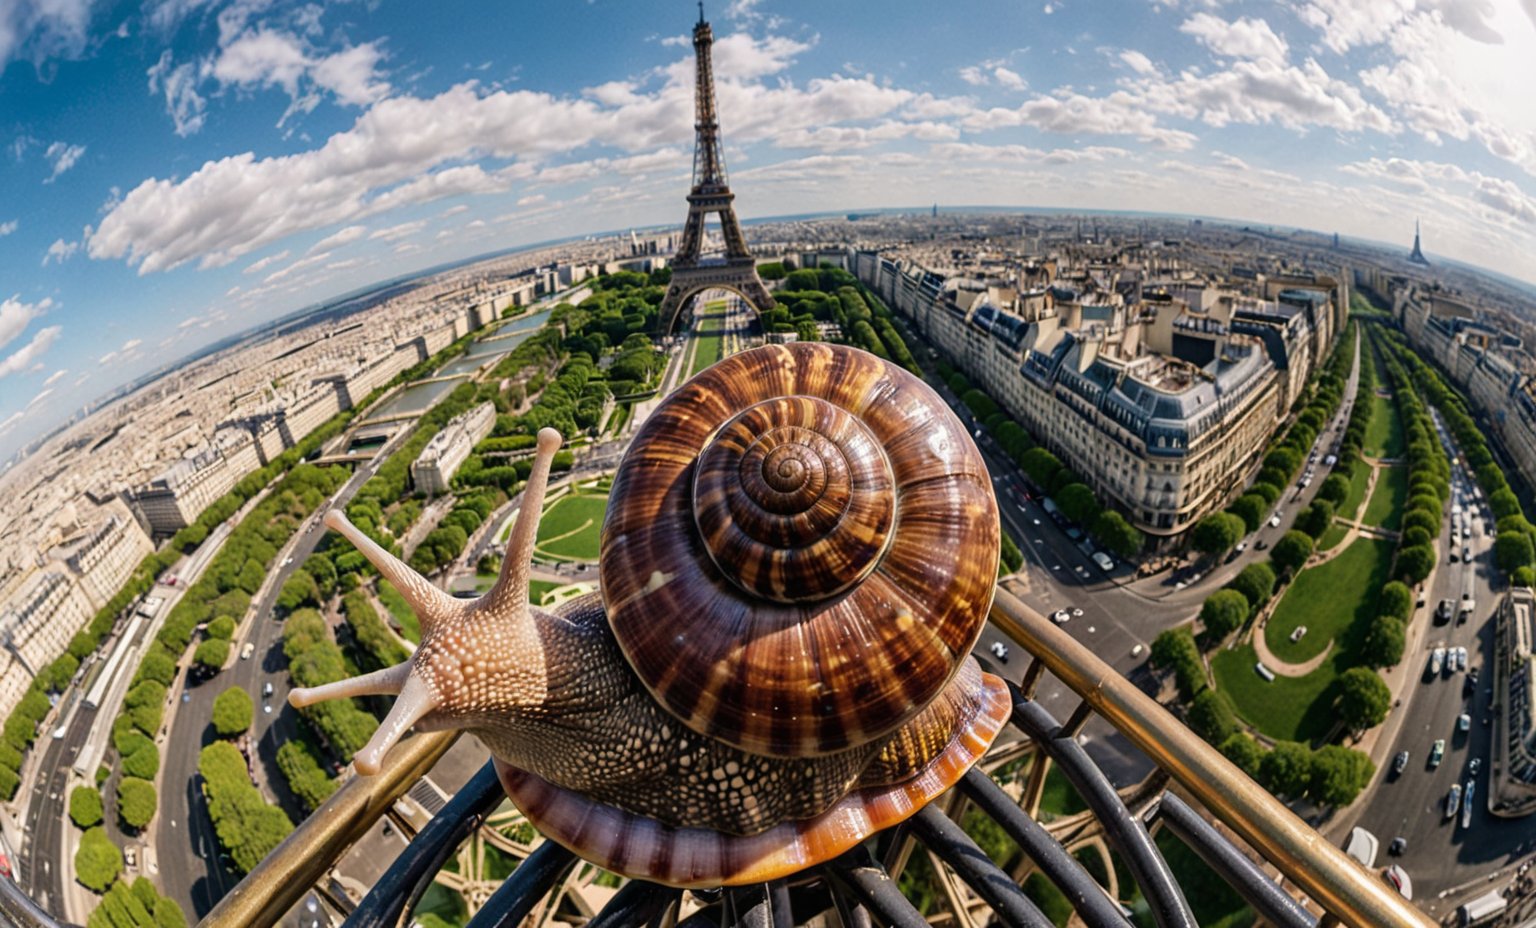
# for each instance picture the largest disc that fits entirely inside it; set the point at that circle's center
(144, 762)
(1396, 601)
(222, 627)
(1513, 551)
(1217, 533)
(97, 861)
(1040, 465)
(1384, 642)
(1339, 774)
(1335, 489)
(1250, 507)
(1223, 613)
(1175, 650)
(299, 590)
(1256, 582)
(1211, 716)
(1315, 519)
(1009, 556)
(1242, 750)
(1414, 564)
(1287, 769)
(1115, 533)
(136, 802)
(1364, 699)
(232, 712)
(1077, 503)
(1523, 576)
(213, 653)
(1292, 551)
(85, 806)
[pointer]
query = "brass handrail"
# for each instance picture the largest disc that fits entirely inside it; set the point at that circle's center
(1333, 880)
(286, 874)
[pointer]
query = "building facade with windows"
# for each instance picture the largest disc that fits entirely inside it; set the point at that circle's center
(1161, 396)
(433, 469)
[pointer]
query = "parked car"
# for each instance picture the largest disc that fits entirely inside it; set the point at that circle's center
(1464, 722)
(1400, 763)
(1436, 753)
(1474, 766)
(1461, 658)
(1274, 520)
(1060, 616)
(1436, 661)
(1453, 800)
(1398, 847)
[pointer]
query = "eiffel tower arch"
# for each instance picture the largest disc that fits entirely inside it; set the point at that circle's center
(711, 195)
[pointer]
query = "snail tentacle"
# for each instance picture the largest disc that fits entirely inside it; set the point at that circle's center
(511, 589)
(386, 682)
(429, 602)
(417, 698)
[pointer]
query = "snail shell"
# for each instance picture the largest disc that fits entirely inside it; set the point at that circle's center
(798, 556)
(800, 549)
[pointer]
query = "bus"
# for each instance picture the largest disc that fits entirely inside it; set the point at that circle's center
(1482, 910)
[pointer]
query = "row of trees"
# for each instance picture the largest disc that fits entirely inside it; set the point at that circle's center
(446, 542)
(1516, 536)
(1330, 775)
(136, 906)
(313, 660)
(247, 826)
(1218, 533)
(377, 647)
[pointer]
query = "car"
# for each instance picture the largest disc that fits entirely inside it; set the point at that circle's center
(1474, 766)
(1436, 753)
(1274, 520)
(267, 708)
(248, 650)
(1436, 661)
(1473, 674)
(1444, 611)
(266, 689)
(287, 561)
(1466, 553)
(1105, 562)
(1461, 658)
(1060, 616)
(1466, 804)
(1464, 722)
(1400, 762)
(186, 697)
(1298, 633)
(998, 649)
(1453, 800)
(1398, 847)
(1076, 613)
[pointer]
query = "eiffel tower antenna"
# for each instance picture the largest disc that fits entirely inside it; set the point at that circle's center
(711, 193)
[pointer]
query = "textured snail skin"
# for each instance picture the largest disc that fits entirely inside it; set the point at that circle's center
(598, 762)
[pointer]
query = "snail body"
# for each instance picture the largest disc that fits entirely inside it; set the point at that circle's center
(797, 558)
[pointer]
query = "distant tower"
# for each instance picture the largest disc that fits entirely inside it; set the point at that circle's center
(1335, 241)
(935, 210)
(1417, 256)
(711, 194)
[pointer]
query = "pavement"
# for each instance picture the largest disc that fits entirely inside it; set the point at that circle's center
(1446, 861)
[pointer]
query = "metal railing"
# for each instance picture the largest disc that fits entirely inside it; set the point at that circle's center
(859, 885)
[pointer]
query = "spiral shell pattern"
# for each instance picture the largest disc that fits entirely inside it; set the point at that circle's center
(800, 551)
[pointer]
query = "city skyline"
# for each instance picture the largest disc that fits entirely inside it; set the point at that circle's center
(186, 170)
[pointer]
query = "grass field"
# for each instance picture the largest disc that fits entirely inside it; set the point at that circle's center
(1288, 708)
(1357, 484)
(709, 344)
(1385, 510)
(1384, 436)
(401, 610)
(1332, 536)
(569, 530)
(537, 589)
(1328, 599)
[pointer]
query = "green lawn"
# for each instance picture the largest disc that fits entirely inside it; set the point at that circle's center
(1328, 598)
(1384, 436)
(1358, 481)
(1385, 510)
(1289, 708)
(709, 344)
(537, 589)
(570, 529)
(1332, 536)
(404, 616)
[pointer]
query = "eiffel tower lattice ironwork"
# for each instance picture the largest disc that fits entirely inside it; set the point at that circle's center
(711, 193)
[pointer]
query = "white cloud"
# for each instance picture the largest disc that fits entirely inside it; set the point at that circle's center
(1242, 38)
(1263, 91)
(343, 236)
(6, 228)
(10, 421)
(531, 200)
(31, 352)
(42, 395)
(43, 29)
(1138, 62)
(1008, 79)
(63, 157)
(403, 230)
(453, 211)
(60, 251)
(259, 265)
(15, 316)
(1120, 113)
(131, 344)
(186, 106)
(834, 138)
(973, 75)
(54, 377)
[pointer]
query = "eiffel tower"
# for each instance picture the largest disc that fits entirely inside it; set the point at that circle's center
(710, 194)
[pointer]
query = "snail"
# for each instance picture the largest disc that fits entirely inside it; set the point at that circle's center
(798, 555)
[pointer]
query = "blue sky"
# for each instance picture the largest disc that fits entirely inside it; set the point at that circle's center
(175, 171)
